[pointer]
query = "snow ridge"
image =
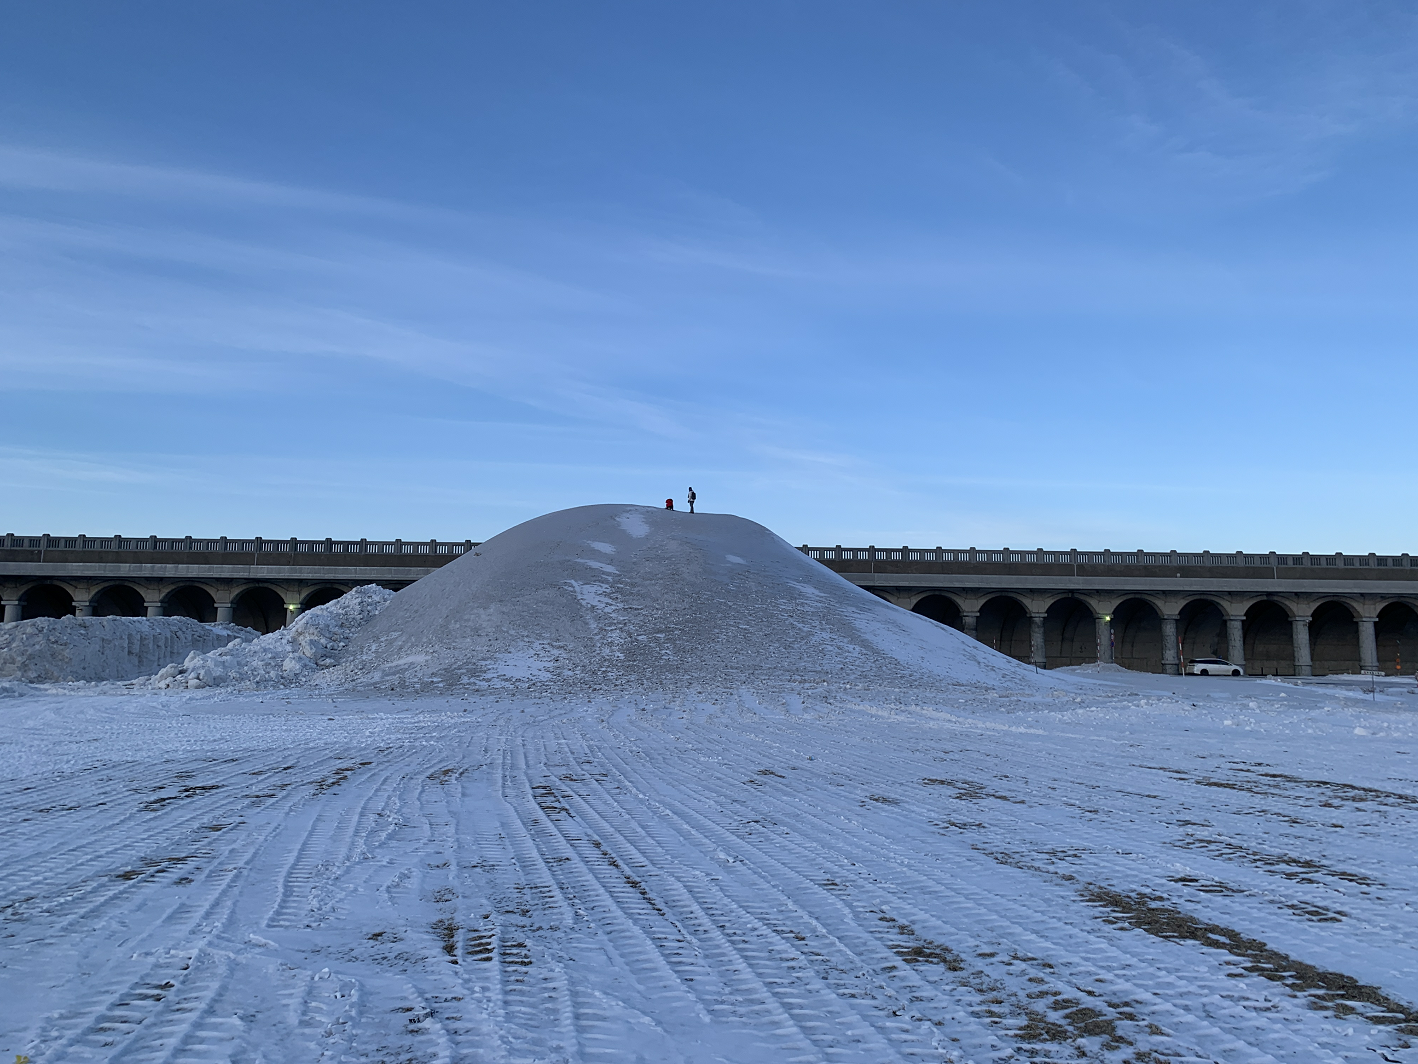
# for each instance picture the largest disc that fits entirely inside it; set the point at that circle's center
(68, 649)
(313, 641)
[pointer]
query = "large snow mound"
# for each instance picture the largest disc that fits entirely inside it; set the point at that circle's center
(633, 597)
(64, 649)
(312, 641)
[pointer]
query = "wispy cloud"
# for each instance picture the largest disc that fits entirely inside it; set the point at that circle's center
(1266, 109)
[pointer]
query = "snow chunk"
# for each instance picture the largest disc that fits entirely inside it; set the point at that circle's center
(313, 641)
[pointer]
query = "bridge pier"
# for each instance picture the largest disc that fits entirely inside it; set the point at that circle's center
(12, 610)
(224, 612)
(1038, 655)
(154, 608)
(84, 607)
(970, 623)
(1103, 627)
(1171, 663)
(1300, 633)
(1368, 647)
(1235, 640)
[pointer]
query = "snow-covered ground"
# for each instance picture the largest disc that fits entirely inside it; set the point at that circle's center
(1191, 869)
(634, 787)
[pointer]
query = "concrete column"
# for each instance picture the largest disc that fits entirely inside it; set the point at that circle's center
(1368, 647)
(12, 610)
(83, 607)
(1171, 663)
(970, 624)
(1037, 655)
(224, 613)
(1300, 632)
(154, 609)
(293, 611)
(1235, 641)
(1103, 624)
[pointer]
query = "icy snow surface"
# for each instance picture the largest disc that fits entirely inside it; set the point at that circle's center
(57, 650)
(849, 838)
(632, 598)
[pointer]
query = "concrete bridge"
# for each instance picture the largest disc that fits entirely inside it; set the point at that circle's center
(258, 583)
(1277, 614)
(1282, 614)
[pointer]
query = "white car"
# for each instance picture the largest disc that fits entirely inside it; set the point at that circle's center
(1213, 667)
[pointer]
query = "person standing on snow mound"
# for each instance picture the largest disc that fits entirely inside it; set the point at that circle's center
(669, 504)
(692, 497)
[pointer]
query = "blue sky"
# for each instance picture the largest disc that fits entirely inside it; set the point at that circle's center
(1030, 274)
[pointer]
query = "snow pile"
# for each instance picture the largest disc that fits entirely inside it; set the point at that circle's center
(631, 597)
(64, 649)
(313, 641)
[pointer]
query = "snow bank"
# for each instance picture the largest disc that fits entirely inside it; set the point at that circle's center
(312, 641)
(63, 649)
(633, 597)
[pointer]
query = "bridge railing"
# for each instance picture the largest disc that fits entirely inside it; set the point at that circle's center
(259, 545)
(223, 545)
(1106, 557)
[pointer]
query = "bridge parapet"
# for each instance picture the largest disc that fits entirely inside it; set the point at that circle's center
(1006, 556)
(223, 546)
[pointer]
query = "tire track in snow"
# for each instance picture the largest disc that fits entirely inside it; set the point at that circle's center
(774, 981)
(77, 860)
(843, 951)
(195, 914)
(534, 989)
(147, 1021)
(1200, 1029)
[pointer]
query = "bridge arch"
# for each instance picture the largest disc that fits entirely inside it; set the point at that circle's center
(320, 596)
(940, 608)
(45, 600)
(119, 600)
(1137, 635)
(1334, 639)
(190, 600)
(1004, 625)
(1268, 636)
(1070, 633)
(260, 607)
(1396, 639)
(1201, 627)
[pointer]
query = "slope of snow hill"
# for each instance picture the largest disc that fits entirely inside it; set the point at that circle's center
(64, 649)
(287, 656)
(637, 598)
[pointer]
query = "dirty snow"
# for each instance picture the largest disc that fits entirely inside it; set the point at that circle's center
(990, 865)
(56, 650)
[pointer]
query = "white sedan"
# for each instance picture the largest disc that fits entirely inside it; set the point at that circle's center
(1213, 667)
